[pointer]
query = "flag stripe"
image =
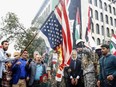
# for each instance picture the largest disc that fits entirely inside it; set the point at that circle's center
(64, 40)
(59, 11)
(58, 75)
(68, 29)
(78, 16)
(67, 44)
(114, 36)
(91, 42)
(57, 31)
(77, 25)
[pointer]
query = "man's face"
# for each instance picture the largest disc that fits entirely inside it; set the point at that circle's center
(17, 55)
(74, 55)
(5, 46)
(25, 55)
(38, 59)
(104, 50)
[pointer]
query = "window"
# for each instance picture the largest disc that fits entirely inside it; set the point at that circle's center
(92, 27)
(105, 6)
(98, 41)
(111, 21)
(96, 15)
(108, 32)
(97, 29)
(93, 38)
(115, 22)
(101, 17)
(90, 1)
(106, 19)
(112, 31)
(103, 41)
(102, 30)
(95, 2)
(114, 11)
(100, 4)
(91, 12)
(110, 10)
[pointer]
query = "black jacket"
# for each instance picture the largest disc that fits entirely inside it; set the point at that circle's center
(77, 71)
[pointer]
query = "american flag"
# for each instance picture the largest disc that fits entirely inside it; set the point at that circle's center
(52, 29)
(56, 31)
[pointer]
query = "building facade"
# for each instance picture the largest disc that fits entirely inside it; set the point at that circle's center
(44, 11)
(103, 14)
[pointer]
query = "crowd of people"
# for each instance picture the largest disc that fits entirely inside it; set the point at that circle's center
(87, 68)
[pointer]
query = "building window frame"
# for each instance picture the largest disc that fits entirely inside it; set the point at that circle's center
(97, 29)
(90, 1)
(108, 32)
(105, 6)
(98, 41)
(111, 21)
(102, 30)
(95, 3)
(96, 15)
(106, 17)
(100, 4)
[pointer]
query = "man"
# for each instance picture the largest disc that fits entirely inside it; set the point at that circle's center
(75, 66)
(22, 75)
(67, 72)
(6, 78)
(107, 76)
(88, 71)
(37, 69)
(3, 57)
(82, 49)
(16, 70)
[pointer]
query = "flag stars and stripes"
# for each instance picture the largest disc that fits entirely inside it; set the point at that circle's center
(58, 23)
(47, 26)
(53, 30)
(45, 30)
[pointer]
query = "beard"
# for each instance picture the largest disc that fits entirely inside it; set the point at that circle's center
(104, 53)
(5, 49)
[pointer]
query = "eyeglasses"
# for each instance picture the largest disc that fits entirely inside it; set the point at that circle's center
(15, 55)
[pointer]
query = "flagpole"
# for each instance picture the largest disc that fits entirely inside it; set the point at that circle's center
(29, 42)
(74, 40)
(40, 28)
(39, 31)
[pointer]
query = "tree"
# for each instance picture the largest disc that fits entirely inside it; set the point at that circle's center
(15, 31)
(37, 44)
(11, 28)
